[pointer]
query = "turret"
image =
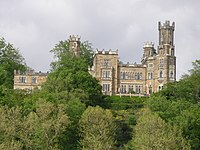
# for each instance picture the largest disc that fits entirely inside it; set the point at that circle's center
(148, 49)
(74, 44)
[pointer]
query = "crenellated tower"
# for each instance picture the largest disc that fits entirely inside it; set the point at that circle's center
(74, 44)
(166, 38)
(166, 59)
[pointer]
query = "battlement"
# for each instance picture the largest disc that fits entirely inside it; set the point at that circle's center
(106, 52)
(166, 25)
(30, 73)
(74, 38)
(148, 44)
(133, 65)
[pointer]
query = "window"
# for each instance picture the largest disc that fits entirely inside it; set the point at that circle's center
(136, 76)
(121, 75)
(106, 74)
(106, 63)
(132, 75)
(150, 65)
(171, 76)
(161, 74)
(22, 79)
(34, 80)
(160, 87)
(126, 77)
(123, 88)
(138, 89)
(150, 89)
(140, 77)
(150, 75)
(172, 52)
(161, 61)
(130, 88)
(171, 61)
(106, 87)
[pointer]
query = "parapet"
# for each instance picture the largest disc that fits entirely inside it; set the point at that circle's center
(30, 72)
(106, 52)
(74, 38)
(148, 44)
(166, 25)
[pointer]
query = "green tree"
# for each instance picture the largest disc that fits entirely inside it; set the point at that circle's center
(70, 73)
(10, 60)
(71, 137)
(151, 132)
(40, 129)
(97, 129)
(62, 47)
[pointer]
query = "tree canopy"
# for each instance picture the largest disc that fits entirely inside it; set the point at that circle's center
(10, 60)
(70, 73)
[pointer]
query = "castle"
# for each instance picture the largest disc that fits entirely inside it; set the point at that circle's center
(157, 67)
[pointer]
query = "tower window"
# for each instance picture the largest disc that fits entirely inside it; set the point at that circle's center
(150, 65)
(171, 75)
(161, 63)
(106, 74)
(161, 74)
(106, 63)
(171, 61)
(150, 75)
(172, 52)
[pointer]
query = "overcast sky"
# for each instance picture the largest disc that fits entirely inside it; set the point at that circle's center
(35, 26)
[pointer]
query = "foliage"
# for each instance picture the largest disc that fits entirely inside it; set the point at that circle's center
(70, 73)
(10, 60)
(71, 137)
(97, 129)
(151, 132)
(178, 104)
(38, 130)
(62, 47)
(187, 88)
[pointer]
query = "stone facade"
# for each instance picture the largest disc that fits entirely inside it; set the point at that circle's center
(29, 80)
(157, 67)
